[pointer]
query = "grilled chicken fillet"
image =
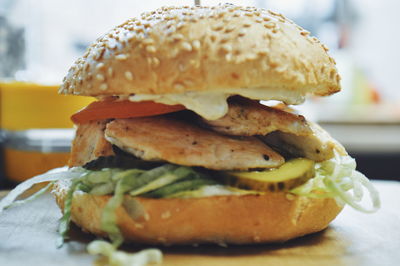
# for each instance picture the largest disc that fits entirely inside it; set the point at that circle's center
(286, 131)
(249, 118)
(240, 140)
(166, 139)
(89, 143)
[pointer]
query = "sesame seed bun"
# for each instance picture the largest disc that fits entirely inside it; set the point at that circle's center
(204, 49)
(273, 217)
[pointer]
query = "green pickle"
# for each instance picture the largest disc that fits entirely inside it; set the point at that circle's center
(291, 174)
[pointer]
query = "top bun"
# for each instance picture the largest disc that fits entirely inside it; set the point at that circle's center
(173, 50)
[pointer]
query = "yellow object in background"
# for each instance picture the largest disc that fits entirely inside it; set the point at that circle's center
(28, 105)
(21, 165)
(36, 128)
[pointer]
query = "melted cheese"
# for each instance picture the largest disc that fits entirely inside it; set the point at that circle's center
(213, 105)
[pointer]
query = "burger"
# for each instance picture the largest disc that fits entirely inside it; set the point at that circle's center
(178, 147)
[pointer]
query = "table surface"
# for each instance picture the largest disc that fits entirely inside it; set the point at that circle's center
(28, 235)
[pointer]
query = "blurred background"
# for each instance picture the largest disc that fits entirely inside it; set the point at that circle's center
(40, 39)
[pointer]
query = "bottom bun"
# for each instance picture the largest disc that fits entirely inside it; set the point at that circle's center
(248, 219)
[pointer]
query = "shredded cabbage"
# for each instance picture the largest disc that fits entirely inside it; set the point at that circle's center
(120, 258)
(338, 178)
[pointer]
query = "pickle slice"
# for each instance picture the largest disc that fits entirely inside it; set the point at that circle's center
(289, 175)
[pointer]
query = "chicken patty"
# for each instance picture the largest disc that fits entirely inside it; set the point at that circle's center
(249, 118)
(89, 143)
(317, 146)
(287, 132)
(167, 139)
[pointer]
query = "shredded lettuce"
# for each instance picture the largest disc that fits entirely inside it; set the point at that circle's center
(65, 221)
(335, 178)
(338, 178)
(109, 217)
(120, 258)
(166, 178)
(52, 175)
(33, 196)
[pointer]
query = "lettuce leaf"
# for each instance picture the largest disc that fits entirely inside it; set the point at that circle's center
(52, 175)
(338, 178)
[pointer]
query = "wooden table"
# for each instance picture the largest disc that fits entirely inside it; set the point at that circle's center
(28, 235)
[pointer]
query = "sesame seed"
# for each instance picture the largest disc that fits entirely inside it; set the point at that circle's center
(178, 37)
(266, 19)
(226, 48)
(98, 66)
(229, 28)
(224, 39)
(270, 25)
(100, 77)
(99, 55)
(166, 215)
(213, 37)
(217, 27)
(325, 47)
(273, 13)
(156, 61)
(148, 41)
(103, 87)
(121, 57)
(112, 44)
(221, 14)
(246, 24)
(110, 71)
(139, 30)
(128, 75)
(139, 226)
(196, 45)
(262, 53)
(186, 46)
(151, 49)
(305, 33)
(242, 32)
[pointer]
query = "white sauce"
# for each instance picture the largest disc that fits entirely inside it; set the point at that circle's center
(213, 105)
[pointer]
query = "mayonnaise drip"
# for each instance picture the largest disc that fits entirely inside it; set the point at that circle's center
(213, 105)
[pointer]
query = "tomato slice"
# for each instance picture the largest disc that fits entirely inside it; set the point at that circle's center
(122, 109)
